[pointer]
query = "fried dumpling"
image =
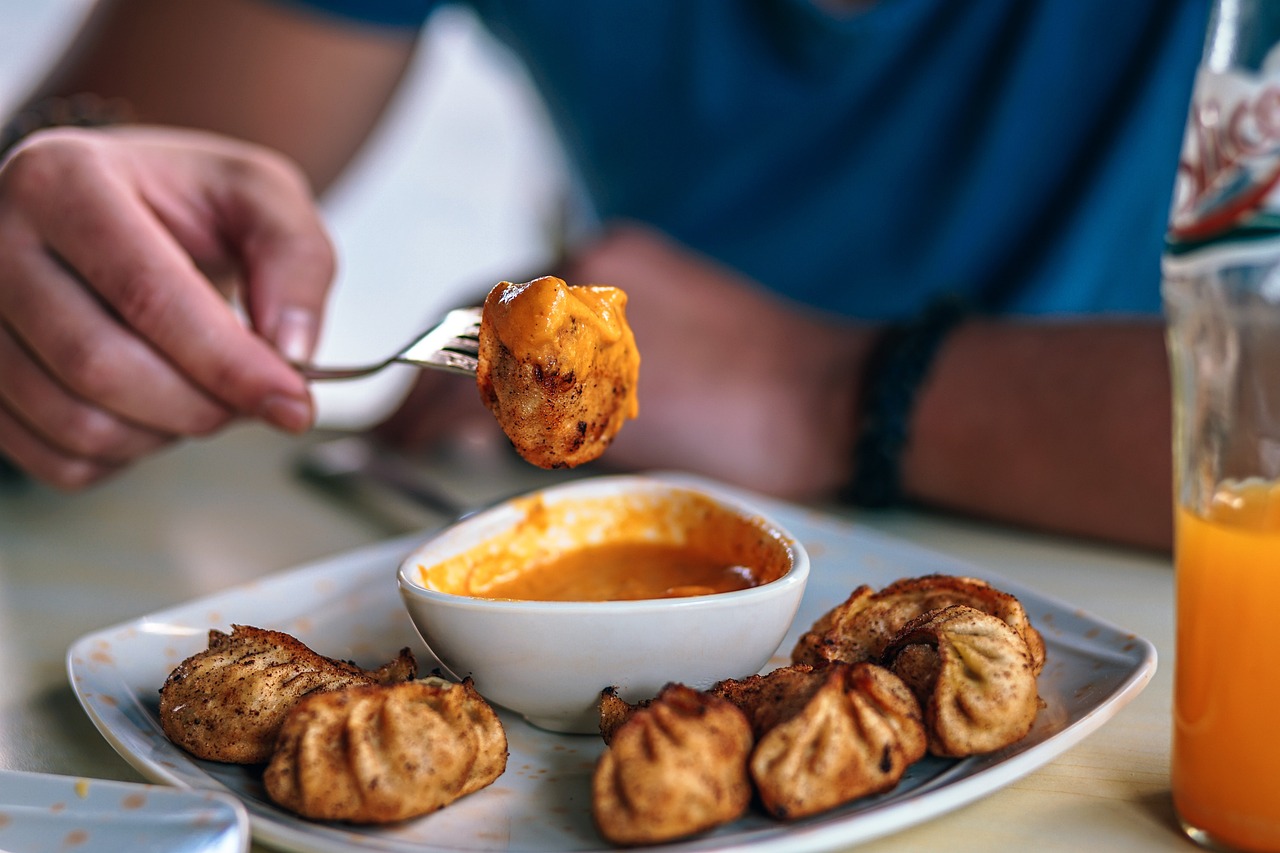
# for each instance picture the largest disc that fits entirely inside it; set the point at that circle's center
(228, 702)
(675, 767)
(769, 699)
(859, 628)
(558, 367)
(973, 676)
(827, 736)
(614, 711)
(383, 753)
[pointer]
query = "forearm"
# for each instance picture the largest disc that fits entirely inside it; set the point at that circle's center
(1055, 426)
(306, 86)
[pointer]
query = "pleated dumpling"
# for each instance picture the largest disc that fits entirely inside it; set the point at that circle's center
(973, 675)
(385, 753)
(859, 628)
(227, 703)
(675, 767)
(829, 735)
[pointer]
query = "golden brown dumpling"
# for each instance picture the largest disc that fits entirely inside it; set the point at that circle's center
(769, 699)
(677, 766)
(849, 632)
(861, 627)
(228, 702)
(385, 753)
(973, 676)
(614, 711)
(828, 735)
(558, 367)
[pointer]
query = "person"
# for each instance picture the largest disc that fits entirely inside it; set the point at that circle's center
(908, 245)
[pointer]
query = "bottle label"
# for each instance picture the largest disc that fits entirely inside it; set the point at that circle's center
(1227, 183)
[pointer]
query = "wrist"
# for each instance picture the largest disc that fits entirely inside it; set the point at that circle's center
(895, 370)
(83, 110)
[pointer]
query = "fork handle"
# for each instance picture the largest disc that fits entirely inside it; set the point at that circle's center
(312, 373)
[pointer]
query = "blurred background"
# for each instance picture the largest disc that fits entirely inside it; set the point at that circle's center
(463, 186)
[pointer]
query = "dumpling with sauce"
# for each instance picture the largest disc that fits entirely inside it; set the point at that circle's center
(558, 367)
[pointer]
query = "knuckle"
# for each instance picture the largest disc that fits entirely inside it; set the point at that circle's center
(28, 175)
(286, 170)
(142, 297)
(92, 433)
(207, 422)
(313, 255)
(91, 370)
(36, 168)
(239, 386)
(259, 163)
(64, 472)
(73, 475)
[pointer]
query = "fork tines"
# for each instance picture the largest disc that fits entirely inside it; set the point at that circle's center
(452, 345)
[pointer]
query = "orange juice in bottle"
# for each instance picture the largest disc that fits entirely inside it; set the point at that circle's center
(1220, 285)
(1226, 751)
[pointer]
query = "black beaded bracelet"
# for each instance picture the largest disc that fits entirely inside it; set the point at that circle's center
(895, 370)
(84, 110)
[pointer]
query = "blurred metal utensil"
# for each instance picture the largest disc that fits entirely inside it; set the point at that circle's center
(450, 345)
(345, 466)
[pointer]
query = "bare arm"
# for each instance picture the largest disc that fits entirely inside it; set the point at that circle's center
(1055, 426)
(1060, 427)
(308, 86)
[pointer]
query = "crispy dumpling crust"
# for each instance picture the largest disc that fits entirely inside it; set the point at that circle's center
(972, 674)
(227, 703)
(827, 736)
(859, 628)
(675, 767)
(378, 754)
(558, 368)
(935, 664)
(614, 711)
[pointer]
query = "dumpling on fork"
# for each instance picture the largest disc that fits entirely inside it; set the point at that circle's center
(558, 367)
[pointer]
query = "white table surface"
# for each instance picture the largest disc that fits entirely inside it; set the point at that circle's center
(216, 514)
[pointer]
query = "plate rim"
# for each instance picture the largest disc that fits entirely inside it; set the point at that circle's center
(176, 798)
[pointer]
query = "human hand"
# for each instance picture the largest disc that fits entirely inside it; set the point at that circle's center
(114, 340)
(735, 383)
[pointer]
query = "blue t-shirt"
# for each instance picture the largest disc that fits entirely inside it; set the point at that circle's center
(1020, 152)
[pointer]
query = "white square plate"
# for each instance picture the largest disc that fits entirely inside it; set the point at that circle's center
(349, 607)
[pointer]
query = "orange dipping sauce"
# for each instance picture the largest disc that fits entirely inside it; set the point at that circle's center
(617, 549)
(627, 572)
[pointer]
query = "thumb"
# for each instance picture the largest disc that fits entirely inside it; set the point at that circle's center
(287, 284)
(287, 258)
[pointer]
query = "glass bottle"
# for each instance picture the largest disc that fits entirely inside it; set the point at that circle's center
(1221, 291)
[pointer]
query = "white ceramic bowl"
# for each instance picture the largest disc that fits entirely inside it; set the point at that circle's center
(549, 660)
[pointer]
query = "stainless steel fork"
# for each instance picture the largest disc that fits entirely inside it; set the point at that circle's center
(450, 345)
